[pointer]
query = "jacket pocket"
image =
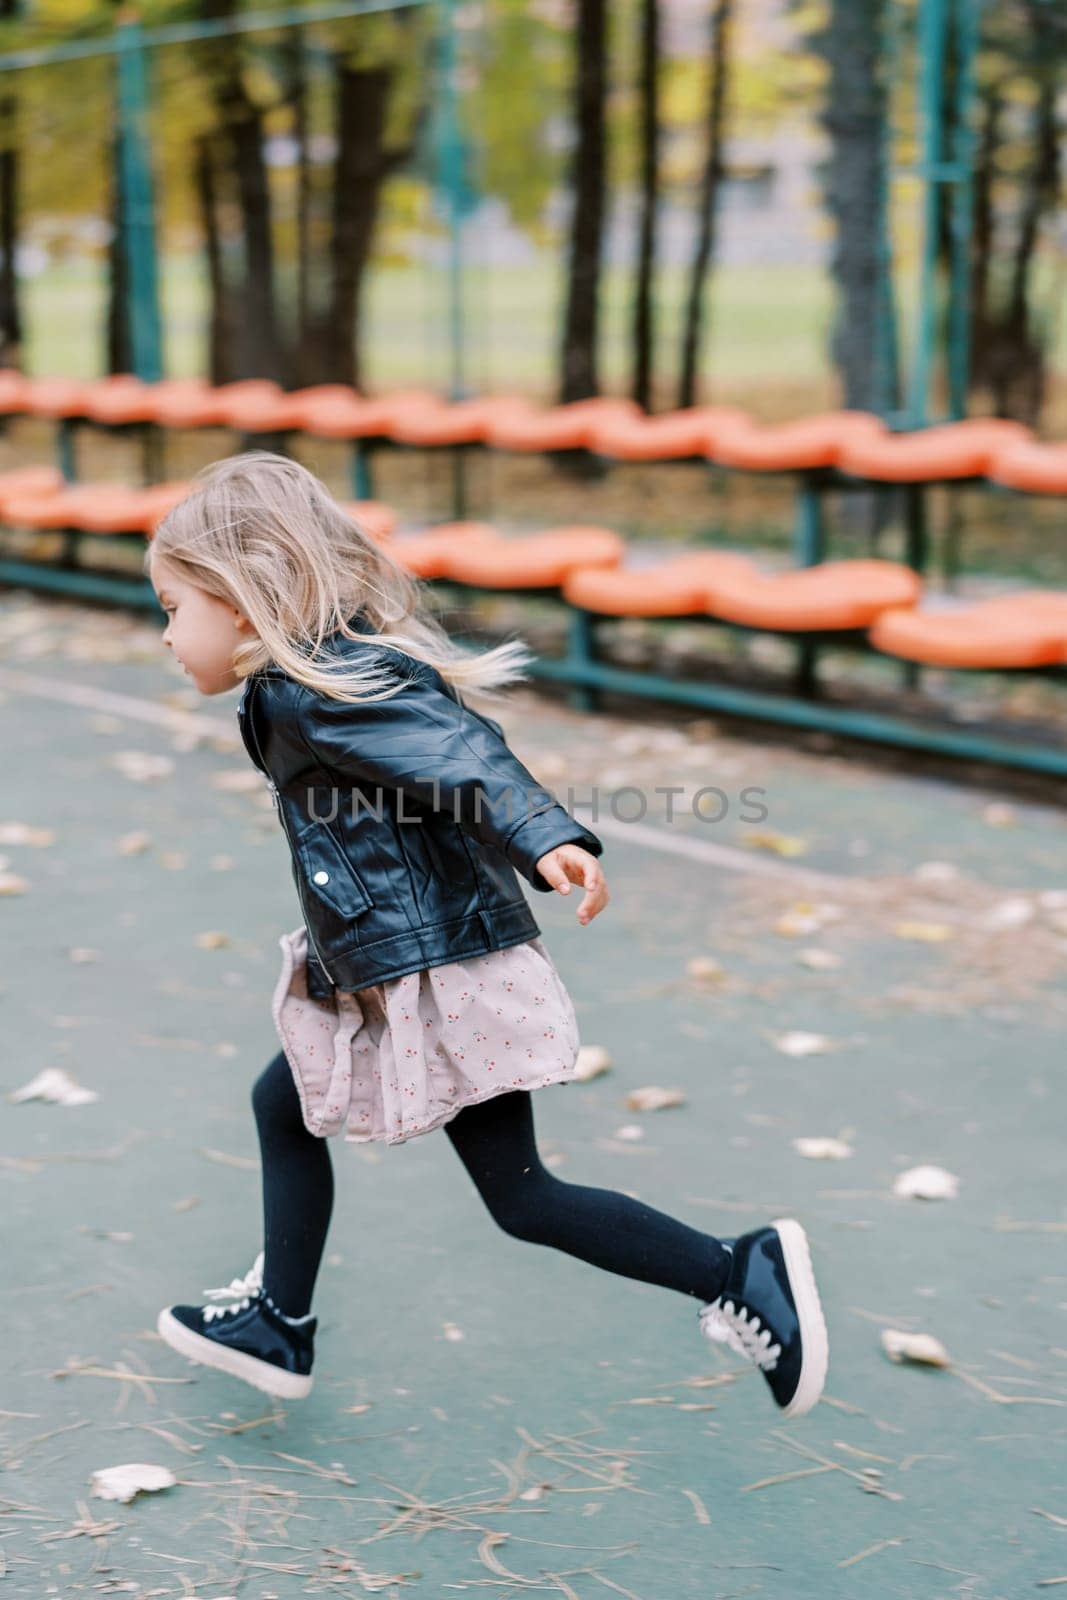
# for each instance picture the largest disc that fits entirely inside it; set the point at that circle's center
(329, 875)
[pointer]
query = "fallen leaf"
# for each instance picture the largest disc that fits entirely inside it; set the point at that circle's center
(926, 1183)
(134, 844)
(132, 1478)
(653, 1098)
(593, 1060)
(924, 932)
(999, 815)
(23, 833)
(82, 956)
(12, 884)
(213, 940)
(802, 1044)
(819, 960)
(936, 872)
(782, 844)
(705, 969)
(141, 767)
(241, 780)
(823, 1149)
(630, 1131)
(922, 1348)
(807, 917)
(1009, 914)
(56, 1086)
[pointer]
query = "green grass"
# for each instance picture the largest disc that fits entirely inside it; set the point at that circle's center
(765, 325)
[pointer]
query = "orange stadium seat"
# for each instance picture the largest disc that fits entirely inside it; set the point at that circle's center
(464, 422)
(38, 510)
(1019, 630)
(428, 555)
(375, 518)
(1031, 466)
(56, 397)
(676, 587)
(352, 416)
(13, 387)
(799, 446)
(121, 399)
(671, 437)
(570, 427)
(534, 561)
(157, 500)
(26, 482)
(835, 595)
(954, 450)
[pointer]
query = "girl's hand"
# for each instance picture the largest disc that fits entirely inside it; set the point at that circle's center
(569, 863)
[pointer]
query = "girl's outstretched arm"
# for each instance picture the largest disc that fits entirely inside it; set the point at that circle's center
(445, 757)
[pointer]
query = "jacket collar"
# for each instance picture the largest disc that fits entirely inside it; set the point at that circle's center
(360, 622)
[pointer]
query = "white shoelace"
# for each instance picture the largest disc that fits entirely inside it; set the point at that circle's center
(730, 1324)
(240, 1292)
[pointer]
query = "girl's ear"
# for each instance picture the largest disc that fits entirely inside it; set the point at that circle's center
(241, 622)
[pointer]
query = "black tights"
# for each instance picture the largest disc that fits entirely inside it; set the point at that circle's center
(495, 1141)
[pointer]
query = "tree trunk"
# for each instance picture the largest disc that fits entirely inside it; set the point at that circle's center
(220, 321)
(1010, 354)
(579, 355)
(695, 311)
(10, 310)
(644, 309)
(305, 358)
(854, 118)
(257, 349)
(119, 353)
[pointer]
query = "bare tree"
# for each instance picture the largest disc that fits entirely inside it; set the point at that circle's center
(580, 377)
(644, 333)
(711, 179)
(10, 310)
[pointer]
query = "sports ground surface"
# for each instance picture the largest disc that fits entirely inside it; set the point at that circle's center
(492, 1417)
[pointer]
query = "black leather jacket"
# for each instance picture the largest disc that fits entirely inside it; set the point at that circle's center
(405, 818)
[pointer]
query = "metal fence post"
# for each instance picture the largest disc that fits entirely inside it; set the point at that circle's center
(137, 202)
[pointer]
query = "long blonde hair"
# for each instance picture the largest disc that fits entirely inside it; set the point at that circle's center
(264, 534)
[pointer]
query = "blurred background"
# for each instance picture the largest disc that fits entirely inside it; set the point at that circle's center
(784, 205)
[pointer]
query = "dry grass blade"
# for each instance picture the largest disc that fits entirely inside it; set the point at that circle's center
(486, 1556)
(787, 1477)
(698, 1505)
(813, 1455)
(334, 1474)
(1007, 1399)
(1061, 1522)
(872, 1550)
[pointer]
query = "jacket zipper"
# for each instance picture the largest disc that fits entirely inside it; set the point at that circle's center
(276, 797)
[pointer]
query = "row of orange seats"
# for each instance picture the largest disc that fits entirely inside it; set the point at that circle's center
(587, 566)
(854, 443)
(39, 497)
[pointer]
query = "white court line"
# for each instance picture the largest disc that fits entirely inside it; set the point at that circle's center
(174, 721)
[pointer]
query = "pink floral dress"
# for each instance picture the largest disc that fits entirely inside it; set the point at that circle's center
(402, 1057)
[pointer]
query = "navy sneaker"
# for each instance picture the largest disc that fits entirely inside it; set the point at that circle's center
(250, 1338)
(769, 1311)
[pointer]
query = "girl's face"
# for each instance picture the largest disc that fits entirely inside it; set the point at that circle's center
(202, 630)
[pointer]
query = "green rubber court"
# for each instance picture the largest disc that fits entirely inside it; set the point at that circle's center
(878, 961)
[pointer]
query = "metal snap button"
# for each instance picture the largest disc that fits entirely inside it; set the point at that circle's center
(321, 877)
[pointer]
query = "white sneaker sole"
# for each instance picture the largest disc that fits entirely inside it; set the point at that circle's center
(260, 1374)
(814, 1343)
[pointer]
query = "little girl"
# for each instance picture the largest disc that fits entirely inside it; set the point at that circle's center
(417, 993)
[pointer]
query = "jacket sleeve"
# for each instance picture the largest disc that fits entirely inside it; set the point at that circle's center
(446, 758)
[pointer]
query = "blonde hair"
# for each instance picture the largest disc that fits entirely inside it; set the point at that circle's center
(264, 534)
